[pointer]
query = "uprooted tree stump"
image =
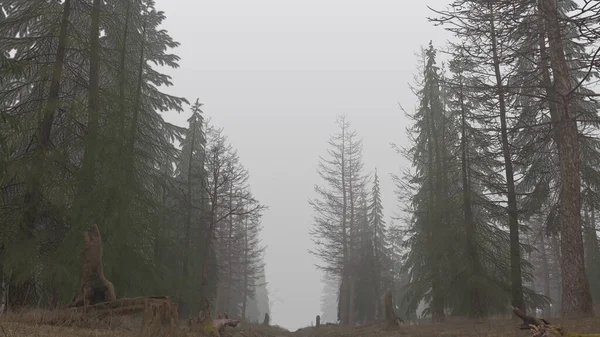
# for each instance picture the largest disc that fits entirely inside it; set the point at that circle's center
(94, 288)
(391, 317)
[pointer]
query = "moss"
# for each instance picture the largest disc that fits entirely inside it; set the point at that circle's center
(208, 329)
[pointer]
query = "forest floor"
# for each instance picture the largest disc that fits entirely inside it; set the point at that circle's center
(43, 324)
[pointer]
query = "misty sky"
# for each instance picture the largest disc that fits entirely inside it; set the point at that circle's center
(275, 74)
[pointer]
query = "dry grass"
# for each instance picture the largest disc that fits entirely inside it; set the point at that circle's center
(59, 324)
(452, 328)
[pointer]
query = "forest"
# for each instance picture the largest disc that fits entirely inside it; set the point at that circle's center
(83, 141)
(498, 207)
(497, 210)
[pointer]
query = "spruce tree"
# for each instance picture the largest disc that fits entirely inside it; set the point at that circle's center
(429, 241)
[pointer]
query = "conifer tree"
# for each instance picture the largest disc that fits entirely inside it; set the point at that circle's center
(336, 229)
(382, 260)
(429, 241)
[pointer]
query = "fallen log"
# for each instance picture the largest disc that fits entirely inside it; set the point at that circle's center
(540, 327)
(123, 305)
(159, 312)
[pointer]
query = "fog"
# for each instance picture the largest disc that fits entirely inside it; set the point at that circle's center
(275, 74)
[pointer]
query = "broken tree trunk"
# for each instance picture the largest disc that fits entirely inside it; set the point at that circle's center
(93, 286)
(390, 314)
(267, 319)
(318, 321)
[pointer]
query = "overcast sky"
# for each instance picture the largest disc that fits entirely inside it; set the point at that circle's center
(275, 74)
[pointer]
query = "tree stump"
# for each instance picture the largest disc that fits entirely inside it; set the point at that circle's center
(94, 288)
(160, 311)
(266, 320)
(318, 321)
(390, 314)
(160, 317)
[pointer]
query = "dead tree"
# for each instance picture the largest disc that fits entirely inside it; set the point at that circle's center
(94, 288)
(390, 314)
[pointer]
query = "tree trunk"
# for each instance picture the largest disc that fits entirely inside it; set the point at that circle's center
(390, 314)
(246, 285)
(53, 95)
(137, 105)
(592, 254)
(33, 196)
(88, 168)
(208, 236)
(576, 297)
(343, 300)
(546, 79)
(185, 271)
(353, 253)
(477, 309)
(123, 74)
(513, 221)
(229, 290)
(556, 270)
(435, 177)
(545, 271)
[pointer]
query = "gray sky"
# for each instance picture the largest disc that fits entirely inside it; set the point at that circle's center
(275, 74)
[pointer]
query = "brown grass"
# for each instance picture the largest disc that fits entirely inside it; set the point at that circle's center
(59, 324)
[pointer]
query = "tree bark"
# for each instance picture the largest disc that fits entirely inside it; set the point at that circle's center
(576, 297)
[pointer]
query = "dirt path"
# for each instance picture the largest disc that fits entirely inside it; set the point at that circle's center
(491, 328)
